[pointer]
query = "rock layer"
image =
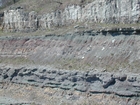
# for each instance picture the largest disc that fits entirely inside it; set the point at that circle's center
(90, 81)
(111, 50)
(99, 11)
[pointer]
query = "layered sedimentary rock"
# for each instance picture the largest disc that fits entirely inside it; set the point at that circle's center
(108, 59)
(106, 49)
(90, 81)
(99, 11)
(97, 50)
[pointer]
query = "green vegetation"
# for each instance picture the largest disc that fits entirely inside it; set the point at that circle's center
(70, 28)
(15, 60)
(75, 64)
(71, 64)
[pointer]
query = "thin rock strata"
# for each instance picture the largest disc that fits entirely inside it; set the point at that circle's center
(111, 50)
(89, 81)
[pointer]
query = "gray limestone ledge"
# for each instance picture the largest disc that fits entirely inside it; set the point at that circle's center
(123, 84)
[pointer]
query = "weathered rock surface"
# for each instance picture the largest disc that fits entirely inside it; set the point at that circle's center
(90, 81)
(19, 20)
(20, 94)
(99, 11)
(110, 50)
(90, 46)
(101, 50)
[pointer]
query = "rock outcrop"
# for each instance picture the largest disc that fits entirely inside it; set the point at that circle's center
(99, 11)
(90, 81)
(19, 20)
(1, 18)
(112, 58)
(112, 50)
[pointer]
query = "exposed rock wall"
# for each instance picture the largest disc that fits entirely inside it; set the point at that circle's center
(1, 18)
(91, 81)
(99, 11)
(91, 49)
(19, 20)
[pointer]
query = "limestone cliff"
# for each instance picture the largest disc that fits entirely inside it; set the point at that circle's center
(99, 11)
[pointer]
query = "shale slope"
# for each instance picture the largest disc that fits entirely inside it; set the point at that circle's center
(116, 50)
(105, 62)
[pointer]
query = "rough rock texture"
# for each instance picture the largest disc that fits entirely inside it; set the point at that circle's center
(19, 20)
(1, 18)
(97, 52)
(11, 94)
(90, 81)
(109, 50)
(101, 51)
(99, 11)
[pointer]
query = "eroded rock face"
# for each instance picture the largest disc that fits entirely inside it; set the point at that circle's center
(19, 20)
(100, 11)
(81, 50)
(84, 47)
(93, 82)
(1, 18)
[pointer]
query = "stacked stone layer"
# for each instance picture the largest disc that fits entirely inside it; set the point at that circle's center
(99, 11)
(90, 81)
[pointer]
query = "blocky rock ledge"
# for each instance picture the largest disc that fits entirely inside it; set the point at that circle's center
(98, 11)
(89, 81)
